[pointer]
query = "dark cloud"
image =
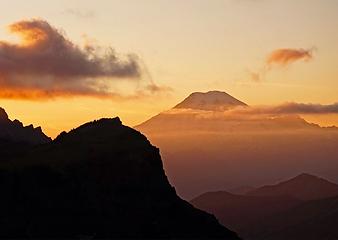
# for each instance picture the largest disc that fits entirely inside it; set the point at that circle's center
(285, 56)
(46, 64)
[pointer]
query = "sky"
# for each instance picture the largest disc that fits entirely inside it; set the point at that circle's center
(262, 52)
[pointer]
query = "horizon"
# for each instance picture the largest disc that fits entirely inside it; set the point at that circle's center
(322, 119)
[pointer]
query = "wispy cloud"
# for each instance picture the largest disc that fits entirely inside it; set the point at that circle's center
(286, 56)
(281, 58)
(303, 108)
(286, 108)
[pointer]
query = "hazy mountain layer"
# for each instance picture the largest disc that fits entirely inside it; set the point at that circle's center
(277, 215)
(241, 213)
(312, 220)
(208, 150)
(303, 187)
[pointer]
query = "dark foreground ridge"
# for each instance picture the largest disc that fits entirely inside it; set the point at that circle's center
(16, 139)
(15, 131)
(101, 180)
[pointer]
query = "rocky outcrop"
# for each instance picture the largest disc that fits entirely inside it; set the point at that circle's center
(14, 131)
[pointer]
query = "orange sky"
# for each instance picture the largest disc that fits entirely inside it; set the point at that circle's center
(184, 46)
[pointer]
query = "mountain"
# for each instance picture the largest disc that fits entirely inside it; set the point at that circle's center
(303, 187)
(312, 220)
(3, 115)
(211, 112)
(289, 210)
(241, 190)
(273, 218)
(100, 180)
(207, 150)
(288, 214)
(14, 131)
(241, 213)
(212, 100)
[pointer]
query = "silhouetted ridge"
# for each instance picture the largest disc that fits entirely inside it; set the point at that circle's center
(14, 131)
(305, 176)
(16, 139)
(96, 125)
(241, 190)
(303, 187)
(3, 115)
(100, 180)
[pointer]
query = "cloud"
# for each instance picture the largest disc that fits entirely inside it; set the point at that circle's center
(303, 108)
(286, 56)
(288, 108)
(45, 64)
(255, 76)
(154, 88)
(281, 58)
(283, 109)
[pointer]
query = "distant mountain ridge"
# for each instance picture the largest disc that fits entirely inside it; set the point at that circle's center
(206, 111)
(212, 100)
(304, 207)
(240, 145)
(101, 180)
(304, 187)
(241, 190)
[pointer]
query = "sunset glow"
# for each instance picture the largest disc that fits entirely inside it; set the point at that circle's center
(212, 49)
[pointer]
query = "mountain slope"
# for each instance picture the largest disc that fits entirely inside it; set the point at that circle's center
(312, 220)
(101, 180)
(212, 100)
(241, 190)
(303, 187)
(277, 215)
(242, 212)
(273, 218)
